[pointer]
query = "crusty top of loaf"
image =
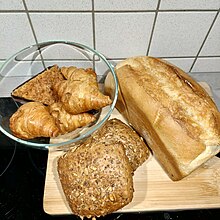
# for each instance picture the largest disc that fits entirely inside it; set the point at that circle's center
(188, 103)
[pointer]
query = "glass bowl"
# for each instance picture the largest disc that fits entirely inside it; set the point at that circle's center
(34, 59)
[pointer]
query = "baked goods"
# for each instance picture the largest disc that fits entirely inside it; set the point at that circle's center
(96, 178)
(33, 120)
(80, 92)
(68, 92)
(67, 71)
(115, 131)
(39, 88)
(68, 122)
(172, 112)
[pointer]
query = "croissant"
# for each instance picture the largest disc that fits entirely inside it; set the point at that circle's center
(68, 122)
(39, 88)
(75, 73)
(67, 71)
(80, 92)
(33, 120)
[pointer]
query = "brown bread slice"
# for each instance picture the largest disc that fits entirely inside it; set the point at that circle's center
(39, 88)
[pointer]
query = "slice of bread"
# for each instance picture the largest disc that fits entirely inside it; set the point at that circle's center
(39, 88)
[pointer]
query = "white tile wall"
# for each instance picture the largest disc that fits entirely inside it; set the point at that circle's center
(63, 26)
(207, 65)
(68, 5)
(15, 33)
(212, 44)
(118, 35)
(177, 31)
(180, 33)
(125, 5)
(189, 4)
(11, 5)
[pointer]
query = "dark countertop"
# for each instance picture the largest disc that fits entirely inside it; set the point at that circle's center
(22, 188)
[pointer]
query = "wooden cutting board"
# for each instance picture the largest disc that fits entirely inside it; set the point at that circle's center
(153, 190)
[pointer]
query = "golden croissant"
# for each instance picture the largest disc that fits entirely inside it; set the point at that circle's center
(80, 92)
(67, 71)
(69, 122)
(33, 120)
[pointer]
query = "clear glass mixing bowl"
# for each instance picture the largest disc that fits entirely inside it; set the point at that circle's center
(34, 59)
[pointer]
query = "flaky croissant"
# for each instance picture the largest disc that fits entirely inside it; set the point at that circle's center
(67, 71)
(69, 122)
(33, 120)
(80, 92)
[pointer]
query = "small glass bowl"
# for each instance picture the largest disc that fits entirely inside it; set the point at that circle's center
(33, 60)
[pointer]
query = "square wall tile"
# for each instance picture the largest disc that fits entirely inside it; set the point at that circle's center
(75, 5)
(207, 65)
(183, 63)
(12, 83)
(63, 26)
(189, 4)
(15, 33)
(11, 5)
(212, 44)
(116, 5)
(213, 80)
(120, 35)
(180, 33)
(1, 63)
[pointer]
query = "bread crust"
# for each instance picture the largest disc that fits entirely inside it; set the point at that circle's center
(39, 88)
(115, 131)
(170, 110)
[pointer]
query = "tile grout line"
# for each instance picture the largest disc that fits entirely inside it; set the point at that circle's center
(153, 27)
(207, 34)
(33, 32)
(155, 10)
(109, 11)
(93, 33)
(163, 57)
(29, 19)
(93, 25)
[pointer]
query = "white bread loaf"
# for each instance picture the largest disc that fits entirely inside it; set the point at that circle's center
(172, 112)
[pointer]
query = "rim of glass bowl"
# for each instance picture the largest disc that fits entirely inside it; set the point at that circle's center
(96, 126)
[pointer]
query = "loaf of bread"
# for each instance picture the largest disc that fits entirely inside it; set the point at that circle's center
(170, 110)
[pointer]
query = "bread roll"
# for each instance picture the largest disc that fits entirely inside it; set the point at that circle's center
(172, 112)
(96, 178)
(115, 131)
